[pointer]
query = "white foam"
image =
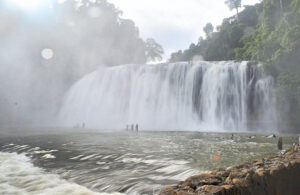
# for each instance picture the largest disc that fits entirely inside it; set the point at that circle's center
(88, 157)
(48, 156)
(132, 160)
(20, 177)
(100, 163)
(76, 157)
(44, 151)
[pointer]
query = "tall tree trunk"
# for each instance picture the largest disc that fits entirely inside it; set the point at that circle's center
(237, 14)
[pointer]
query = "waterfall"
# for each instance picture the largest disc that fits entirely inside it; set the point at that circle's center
(204, 96)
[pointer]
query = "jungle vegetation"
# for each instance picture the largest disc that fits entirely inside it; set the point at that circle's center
(268, 32)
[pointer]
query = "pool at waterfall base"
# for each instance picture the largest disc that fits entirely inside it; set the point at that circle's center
(92, 162)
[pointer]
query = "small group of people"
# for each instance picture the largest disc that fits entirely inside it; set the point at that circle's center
(78, 125)
(131, 127)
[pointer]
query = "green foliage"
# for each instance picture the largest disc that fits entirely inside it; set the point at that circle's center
(229, 42)
(208, 29)
(153, 50)
(268, 32)
(233, 4)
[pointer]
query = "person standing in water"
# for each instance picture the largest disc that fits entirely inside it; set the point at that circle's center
(279, 144)
(132, 127)
(136, 127)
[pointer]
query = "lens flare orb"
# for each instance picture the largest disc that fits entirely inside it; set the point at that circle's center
(47, 53)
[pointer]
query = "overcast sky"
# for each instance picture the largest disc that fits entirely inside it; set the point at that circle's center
(175, 23)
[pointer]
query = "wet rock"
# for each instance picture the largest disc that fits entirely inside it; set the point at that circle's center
(248, 177)
(245, 171)
(261, 173)
(288, 165)
(212, 189)
(222, 174)
(236, 174)
(227, 187)
(239, 182)
(289, 153)
(228, 180)
(203, 179)
(259, 163)
(276, 175)
(254, 161)
(229, 169)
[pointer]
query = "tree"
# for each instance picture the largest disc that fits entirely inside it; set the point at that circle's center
(234, 4)
(208, 29)
(153, 50)
(85, 35)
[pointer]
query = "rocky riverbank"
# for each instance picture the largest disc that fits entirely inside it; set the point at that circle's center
(277, 175)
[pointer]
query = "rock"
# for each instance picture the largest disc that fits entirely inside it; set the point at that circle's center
(288, 165)
(283, 152)
(203, 179)
(229, 168)
(276, 175)
(236, 174)
(222, 174)
(274, 171)
(228, 180)
(258, 163)
(261, 173)
(168, 191)
(294, 162)
(245, 171)
(227, 187)
(254, 161)
(248, 177)
(239, 182)
(212, 189)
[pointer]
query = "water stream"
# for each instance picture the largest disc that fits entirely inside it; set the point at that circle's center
(202, 96)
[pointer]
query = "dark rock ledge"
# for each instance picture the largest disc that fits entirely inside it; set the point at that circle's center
(278, 175)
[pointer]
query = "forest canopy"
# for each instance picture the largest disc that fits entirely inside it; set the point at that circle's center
(42, 55)
(268, 32)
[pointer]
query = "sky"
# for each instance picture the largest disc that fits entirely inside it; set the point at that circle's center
(175, 24)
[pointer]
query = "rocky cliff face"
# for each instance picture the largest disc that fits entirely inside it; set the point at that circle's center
(279, 175)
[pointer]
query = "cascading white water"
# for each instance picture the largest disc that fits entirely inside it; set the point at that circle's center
(206, 96)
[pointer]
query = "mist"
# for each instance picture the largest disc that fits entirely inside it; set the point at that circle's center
(45, 51)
